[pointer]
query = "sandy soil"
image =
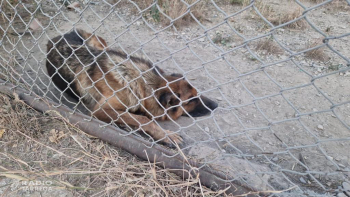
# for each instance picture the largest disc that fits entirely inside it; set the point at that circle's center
(276, 127)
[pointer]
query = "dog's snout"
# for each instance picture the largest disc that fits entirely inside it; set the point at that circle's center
(211, 105)
(204, 107)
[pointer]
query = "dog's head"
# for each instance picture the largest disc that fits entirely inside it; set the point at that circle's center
(179, 90)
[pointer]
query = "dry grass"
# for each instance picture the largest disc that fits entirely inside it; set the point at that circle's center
(279, 16)
(173, 9)
(334, 6)
(224, 40)
(19, 17)
(316, 54)
(264, 8)
(45, 147)
(6, 10)
(338, 5)
(291, 14)
(238, 2)
(269, 46)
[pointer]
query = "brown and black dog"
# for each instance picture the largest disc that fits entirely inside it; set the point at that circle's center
(120, 88)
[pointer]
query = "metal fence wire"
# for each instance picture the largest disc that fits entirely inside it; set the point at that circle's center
(279, 71)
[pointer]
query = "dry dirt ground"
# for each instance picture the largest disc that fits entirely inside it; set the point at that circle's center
(277, 127)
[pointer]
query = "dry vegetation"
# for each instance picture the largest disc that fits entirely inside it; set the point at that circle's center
(6, 11)
(238, 2)
(224, 40)
(281, 16)
(173, 9)
(36, 146)
(19, 17)
(290, 15)
(316, 54)
(332, 7)
(269, 46)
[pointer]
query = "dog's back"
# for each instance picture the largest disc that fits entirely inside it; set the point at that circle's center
(80, 68)
(71, 54)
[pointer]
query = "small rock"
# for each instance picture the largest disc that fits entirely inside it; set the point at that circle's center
(35, 24)
(219, 98)
(275, 159)
(302, 180)
(73, 6)
(320, 127)
(277, 103)
(341, 195)
(206, 129)
(330, 158)
(346, 186)
(329, 184)
(201, 39)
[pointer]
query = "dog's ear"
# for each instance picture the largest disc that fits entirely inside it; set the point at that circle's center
(168, 99)
(159, 70)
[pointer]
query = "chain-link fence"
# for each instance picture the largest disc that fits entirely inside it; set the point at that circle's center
(278, 70)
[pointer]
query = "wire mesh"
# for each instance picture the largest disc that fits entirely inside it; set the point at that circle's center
(279, 71)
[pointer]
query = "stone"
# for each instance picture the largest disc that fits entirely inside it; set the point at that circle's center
(346, 186)
(341, 195)
(320, 127)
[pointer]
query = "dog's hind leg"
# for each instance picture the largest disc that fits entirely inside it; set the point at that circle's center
(134, 120)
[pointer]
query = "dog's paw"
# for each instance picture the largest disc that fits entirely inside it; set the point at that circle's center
(171, 139)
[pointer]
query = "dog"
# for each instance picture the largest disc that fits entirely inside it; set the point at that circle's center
(115, 87)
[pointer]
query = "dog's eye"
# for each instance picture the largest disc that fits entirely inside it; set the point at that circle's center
(174, 109)
(196, 100)
(174, 101)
